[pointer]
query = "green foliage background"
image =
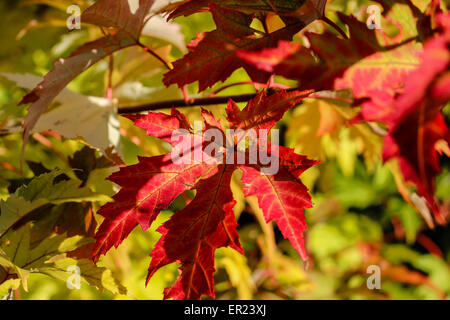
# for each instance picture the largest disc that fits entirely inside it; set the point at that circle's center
(359, 217)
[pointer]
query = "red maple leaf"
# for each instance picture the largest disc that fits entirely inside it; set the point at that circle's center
(417, 123)
(281, 195)
(317, 67)
(213, 55)
(406, 95)
(151, 185)
(193, 234)
(374, 71)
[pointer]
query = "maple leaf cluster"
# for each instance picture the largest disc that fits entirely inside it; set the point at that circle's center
(193, 234)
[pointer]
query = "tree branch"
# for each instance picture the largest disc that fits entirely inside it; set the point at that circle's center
(182, 103)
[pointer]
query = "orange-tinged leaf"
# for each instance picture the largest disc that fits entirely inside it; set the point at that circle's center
(378, 78)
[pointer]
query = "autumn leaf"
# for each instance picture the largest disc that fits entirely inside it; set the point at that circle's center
(371, 104)
(64, 71)
(192, 235)
(104, 14)
(126, 16)
(377, 74)
(91, 118)
(153, 184)
(264, 111)
(212, 55)
(409, 19)
(282, 195)
(417, 122)
(379, 77)
(317, 67)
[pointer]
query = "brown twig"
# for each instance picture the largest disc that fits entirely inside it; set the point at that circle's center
(182, 103)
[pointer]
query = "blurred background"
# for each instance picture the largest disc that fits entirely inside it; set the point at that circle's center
(359, 218)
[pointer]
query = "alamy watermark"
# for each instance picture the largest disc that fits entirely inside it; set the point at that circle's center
(374, 281)
(374, 19)
(236, 146)
(74, 280)
(74, 21)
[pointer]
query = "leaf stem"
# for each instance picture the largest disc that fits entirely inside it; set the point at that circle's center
(335, 26)
(154, 54)
(109, 89)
